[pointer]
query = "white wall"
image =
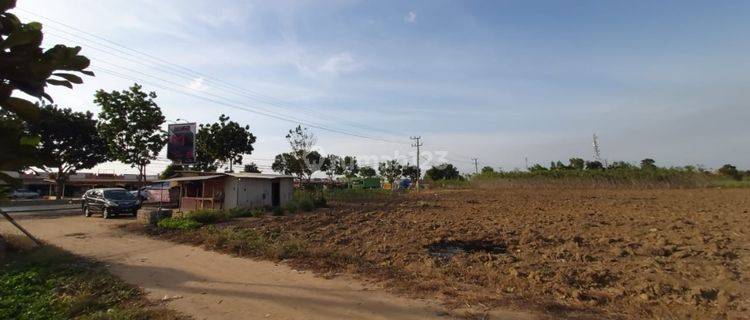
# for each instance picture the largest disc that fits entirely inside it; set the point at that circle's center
(254, 192)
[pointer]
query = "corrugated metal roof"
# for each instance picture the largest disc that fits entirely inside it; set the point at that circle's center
(241, 175)
(251, 175)
(196, 178)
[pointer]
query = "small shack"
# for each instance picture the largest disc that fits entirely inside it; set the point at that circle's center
(232, 190)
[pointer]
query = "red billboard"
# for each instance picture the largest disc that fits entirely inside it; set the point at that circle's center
(181, 145)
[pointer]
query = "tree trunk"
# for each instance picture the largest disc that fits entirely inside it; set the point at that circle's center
(142, 174)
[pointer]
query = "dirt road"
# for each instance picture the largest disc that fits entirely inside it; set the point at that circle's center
(209, 285)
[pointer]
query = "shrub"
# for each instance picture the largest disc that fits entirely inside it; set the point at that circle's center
(292, 206)
(306, 204)
(239, 213)
(208, 216)
(257, 213)
(320, 201)
(179, 223)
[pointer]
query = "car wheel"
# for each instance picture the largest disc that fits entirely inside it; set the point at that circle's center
(106, 214)
(86, 212)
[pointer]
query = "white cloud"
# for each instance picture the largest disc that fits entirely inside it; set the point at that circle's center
(197, 85)
(340, 63)
(411, 17)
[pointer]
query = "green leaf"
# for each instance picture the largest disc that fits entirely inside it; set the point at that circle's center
(70, 77)
(36, 26)
(30, 140)
(23, 108)
(60, 83)
(21, 37)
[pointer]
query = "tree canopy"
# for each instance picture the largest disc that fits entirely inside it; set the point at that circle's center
(302, 161)
(69, 141)
(444, 171)
(251, 168)
(332, 165)
(412, 172)
(170, 170)
(367, 172)
(390, 170)
(222, 142)
(349, 167)
(130, 121)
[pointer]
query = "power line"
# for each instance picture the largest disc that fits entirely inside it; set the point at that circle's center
(186, 72)
(231, 105)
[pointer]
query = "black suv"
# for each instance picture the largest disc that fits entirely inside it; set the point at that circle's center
(109, 202)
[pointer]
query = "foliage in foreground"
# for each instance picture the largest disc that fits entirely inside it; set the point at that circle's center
(49, 283)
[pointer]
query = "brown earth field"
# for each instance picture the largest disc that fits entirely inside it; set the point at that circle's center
(566, 253)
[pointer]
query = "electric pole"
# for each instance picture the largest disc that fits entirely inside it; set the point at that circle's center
(417, 145)
(526, 160)
(476, 165)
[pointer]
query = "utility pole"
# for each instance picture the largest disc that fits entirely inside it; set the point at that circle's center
(417, 145)
(476, 165)
(526, 160)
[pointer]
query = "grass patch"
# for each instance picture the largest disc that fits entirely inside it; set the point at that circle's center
(49, 283)
(207, 216)
(179, 223)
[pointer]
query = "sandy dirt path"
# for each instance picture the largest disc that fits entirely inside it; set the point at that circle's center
(210, 285)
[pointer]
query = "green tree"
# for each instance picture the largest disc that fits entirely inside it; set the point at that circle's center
(621, 165)
(594, 165)
(577, 163)
(302, 141)
(26, 67)
(69, 141)
(349, 167)
(288, 163)
(488, 170)
(648, 164)
(170, 171)
(367, 172)
(222, 142)
(131, 123)
(18, 150)
(537, 168)
(730, 171)
(412, 172)
(445, 171)
(390, 170)
(251, 168)
(332, 166)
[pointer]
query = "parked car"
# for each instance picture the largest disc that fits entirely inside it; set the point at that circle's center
(24, 194)
(109, 202)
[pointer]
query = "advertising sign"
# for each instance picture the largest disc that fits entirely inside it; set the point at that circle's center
(181, 146)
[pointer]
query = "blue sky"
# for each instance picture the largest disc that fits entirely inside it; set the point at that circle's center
(496, 80)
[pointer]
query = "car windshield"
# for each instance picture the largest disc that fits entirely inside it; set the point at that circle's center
(118, 195)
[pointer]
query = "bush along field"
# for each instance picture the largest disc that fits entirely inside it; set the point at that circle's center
(49, 283)
(302, 201)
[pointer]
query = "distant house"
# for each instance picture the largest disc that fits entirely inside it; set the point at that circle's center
(232, 190)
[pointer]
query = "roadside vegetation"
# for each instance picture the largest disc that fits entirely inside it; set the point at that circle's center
(50, 283)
